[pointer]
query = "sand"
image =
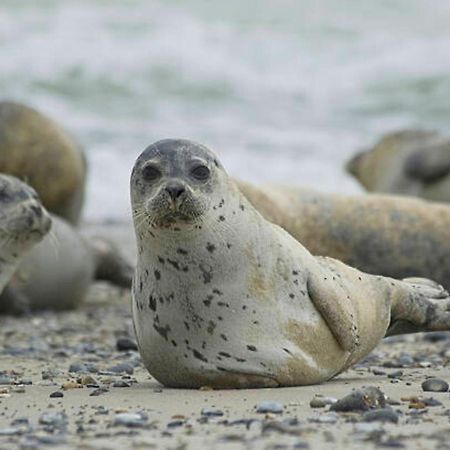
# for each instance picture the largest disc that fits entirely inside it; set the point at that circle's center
(64, 384)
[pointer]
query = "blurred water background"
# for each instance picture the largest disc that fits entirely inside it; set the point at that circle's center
(283, 90)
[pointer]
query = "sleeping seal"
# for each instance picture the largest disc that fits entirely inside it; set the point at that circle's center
(411, 162)
(35, 149)
(224, 298)
(385, 235)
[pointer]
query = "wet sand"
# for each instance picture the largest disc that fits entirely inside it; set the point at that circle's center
(74, 380)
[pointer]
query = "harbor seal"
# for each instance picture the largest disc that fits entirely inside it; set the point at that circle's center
(411, 162)
(386, 235)
(35, 149)
(42, 270)
(224, 298)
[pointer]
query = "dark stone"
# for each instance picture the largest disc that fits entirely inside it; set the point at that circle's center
(380, 415)
(126, 344)
(435, 385)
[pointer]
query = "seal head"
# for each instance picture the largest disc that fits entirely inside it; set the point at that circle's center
(169, 183)
(23, 219)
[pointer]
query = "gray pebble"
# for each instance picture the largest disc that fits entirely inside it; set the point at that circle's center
(211, 412)
(56, 420)
(131, 420)
(380, 415)
(121, 384)
(268, 406)
(435, 385)
(122, 368)
(82, 368)
(126, 344)
(57, 394)
(360, 400)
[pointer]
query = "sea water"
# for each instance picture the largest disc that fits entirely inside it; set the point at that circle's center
(284, 90)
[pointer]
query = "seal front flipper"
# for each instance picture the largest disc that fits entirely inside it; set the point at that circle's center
(336, 308)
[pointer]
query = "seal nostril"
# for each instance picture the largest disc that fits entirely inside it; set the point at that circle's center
(175, 190)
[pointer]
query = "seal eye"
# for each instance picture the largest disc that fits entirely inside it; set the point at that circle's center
(200, 172)
(150, 173)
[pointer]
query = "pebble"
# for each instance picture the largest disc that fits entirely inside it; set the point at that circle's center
(380, 415)
(98, 392)
(396, 374)
(131, 420)
(82, 368)
(121, 384)
(175, 424)
(56, 420)
(211, 412)
(268, 406)
(57, 394)
(122, 368)
(435, 385)
(126, 344)
(360, 400)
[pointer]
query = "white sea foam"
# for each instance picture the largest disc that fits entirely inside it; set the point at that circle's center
(283, 90)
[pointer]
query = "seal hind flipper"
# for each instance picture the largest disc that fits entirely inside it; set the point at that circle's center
(336, 308)
(425, 306)
(110, 264)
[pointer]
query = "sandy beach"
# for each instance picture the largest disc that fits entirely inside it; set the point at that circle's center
(75, 380)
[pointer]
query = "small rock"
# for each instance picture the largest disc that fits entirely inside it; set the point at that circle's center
(380, 415)
(435, 385)
(269, 407)
(126, 344)
(122, 368)
(131, 420)
(98, 392)
(56, 420)
(57, 394)
(396, 374)
(317, 403)
(121, 384)
(82, 368)
(51, 373)
(431, 402)
(175, 424)
(360, 400)
(211, 412)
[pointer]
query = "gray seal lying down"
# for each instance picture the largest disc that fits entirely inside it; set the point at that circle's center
(410, 162)
(385, 235)
(224, 298)
(42, 270)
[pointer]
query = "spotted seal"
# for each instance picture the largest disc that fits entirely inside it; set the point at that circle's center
(224, 298)
(410, 162)
(35, 149)
(42, 270)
